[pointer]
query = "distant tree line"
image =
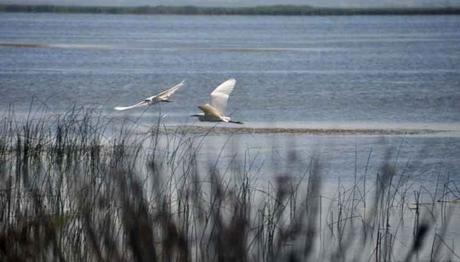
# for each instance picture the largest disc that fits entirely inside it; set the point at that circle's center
(257, 10)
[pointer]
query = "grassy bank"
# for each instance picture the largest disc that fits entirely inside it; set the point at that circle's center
(257, 10)
(71, 190)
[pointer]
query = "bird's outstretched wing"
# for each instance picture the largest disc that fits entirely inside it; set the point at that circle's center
(169, 92)
(219, 96)
(164, 95)
(142, 103)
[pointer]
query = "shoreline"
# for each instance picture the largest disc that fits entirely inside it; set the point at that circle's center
(269, 10)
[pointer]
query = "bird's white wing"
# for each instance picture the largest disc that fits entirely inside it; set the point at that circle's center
(151, 100)
(169, 92)
(121, 108)
(210, 111)
(219, 96)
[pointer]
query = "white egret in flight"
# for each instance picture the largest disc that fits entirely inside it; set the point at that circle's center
(215, 112)
(161, 97)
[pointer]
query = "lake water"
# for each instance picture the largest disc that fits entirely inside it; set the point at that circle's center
(324, 74)
(358, 72)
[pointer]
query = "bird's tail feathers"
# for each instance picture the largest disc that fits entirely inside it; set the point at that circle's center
(227, 119)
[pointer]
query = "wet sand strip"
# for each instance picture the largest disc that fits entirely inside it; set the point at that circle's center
(23, 45)
(307, 131)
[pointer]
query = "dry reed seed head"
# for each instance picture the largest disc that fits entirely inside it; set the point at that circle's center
(292, 156)
(283, 187)
(420, 236)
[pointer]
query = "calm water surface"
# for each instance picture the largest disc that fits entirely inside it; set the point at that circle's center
(366, 72)
(326, 72)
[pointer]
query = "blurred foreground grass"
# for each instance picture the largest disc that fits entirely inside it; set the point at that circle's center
(74, 190)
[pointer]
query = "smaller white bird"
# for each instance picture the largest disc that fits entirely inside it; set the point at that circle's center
(215, 112)
(161, 97)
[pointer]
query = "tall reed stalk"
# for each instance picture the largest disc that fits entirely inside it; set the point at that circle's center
(75, 189)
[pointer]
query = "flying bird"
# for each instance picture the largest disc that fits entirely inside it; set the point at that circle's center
(161, 97)
(215, 112)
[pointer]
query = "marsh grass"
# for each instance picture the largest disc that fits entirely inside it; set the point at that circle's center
(74, 189)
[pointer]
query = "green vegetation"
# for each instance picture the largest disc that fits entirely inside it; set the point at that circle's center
(71, 190)
(257, 10)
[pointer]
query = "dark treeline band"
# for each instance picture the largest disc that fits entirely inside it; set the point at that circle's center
(256, 10)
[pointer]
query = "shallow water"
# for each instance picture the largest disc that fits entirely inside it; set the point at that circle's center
(366, 69)
(355, 91)
(335, 85)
